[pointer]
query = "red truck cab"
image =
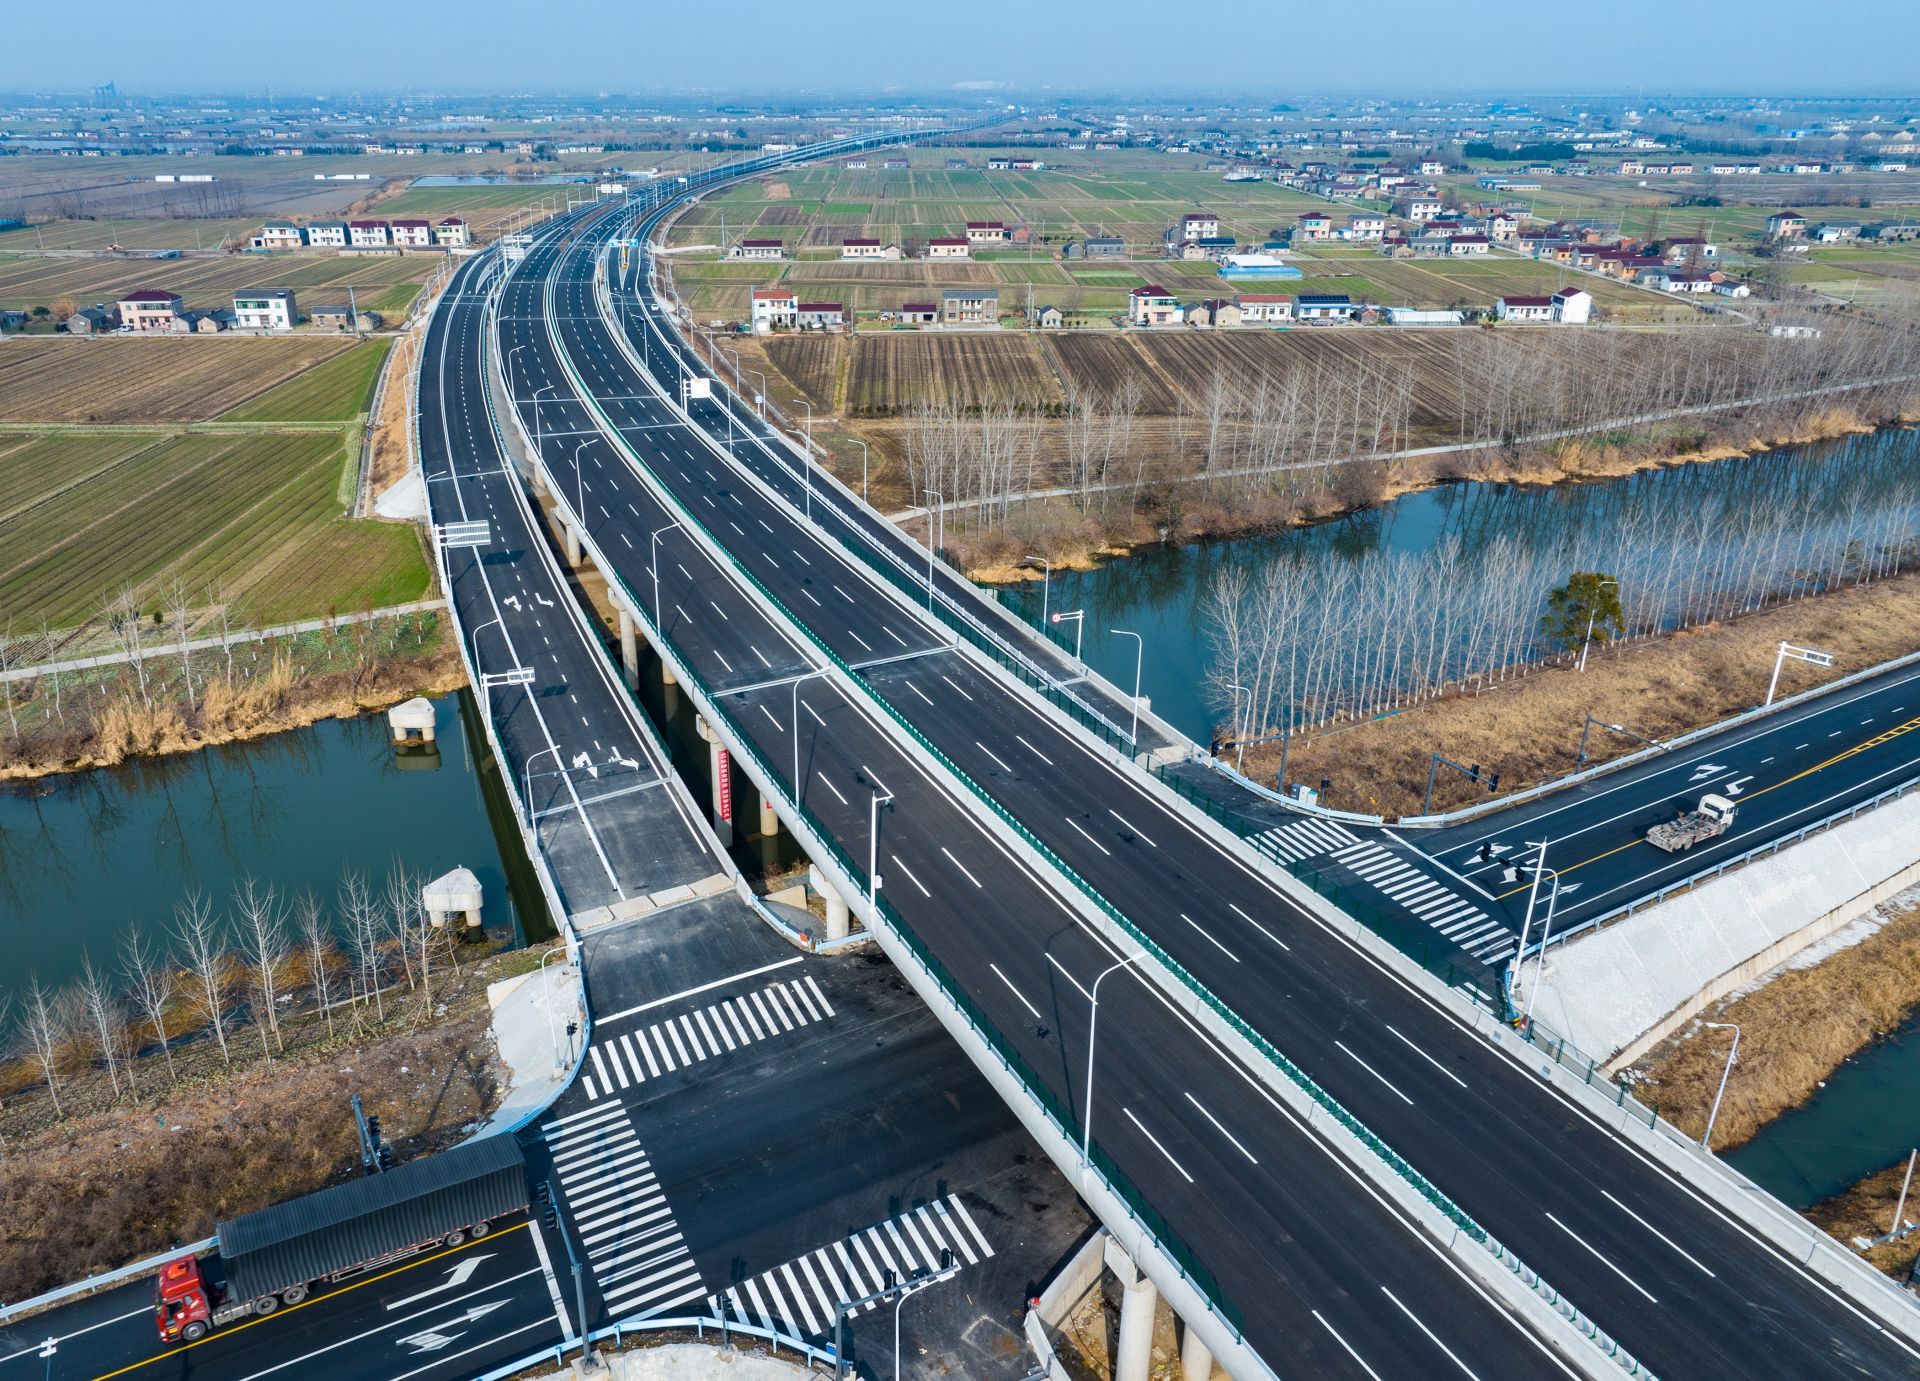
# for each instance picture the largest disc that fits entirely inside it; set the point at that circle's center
(182, 1301)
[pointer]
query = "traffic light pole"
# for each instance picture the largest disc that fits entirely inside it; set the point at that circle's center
(588, 1360)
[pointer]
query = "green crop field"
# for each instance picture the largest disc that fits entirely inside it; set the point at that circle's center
(254, 514)
(338, 390)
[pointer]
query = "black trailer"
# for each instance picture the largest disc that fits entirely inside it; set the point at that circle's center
(279, 1252)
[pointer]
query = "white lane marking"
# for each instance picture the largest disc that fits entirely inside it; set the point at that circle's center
(1603, 1260)
(831, 787)
(1210, 940)
(1654, 1230)
(990, 753)
(955, 684)
(1129, 824)
(910, 877)
(917, 691)
(1358, 1359)
(958, 864)
(1220, 1129)
(1089, 838)
(771, 720)
(815, 713)
(1035, 751)
(1429, 1332)
(1016, 992)
(1262, 929)
(702, 988)
(1430, 1060)
(1068, 976)
(1157, 1146)
(1374, 1072)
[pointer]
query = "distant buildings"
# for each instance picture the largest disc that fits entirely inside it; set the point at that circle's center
(986, 233)
(1786, 225)
(854, 248)
(774, 309)
(367, 235)
(150, 310)
(761, 250)
(265, 309)
(1152, 305)
(949, 247)
(970, 307)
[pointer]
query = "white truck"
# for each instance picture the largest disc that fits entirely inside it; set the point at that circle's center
(1709, 820)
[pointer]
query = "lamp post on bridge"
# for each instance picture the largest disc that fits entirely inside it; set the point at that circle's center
(1139, 660)
(1733, 1053)
(1093, 1018)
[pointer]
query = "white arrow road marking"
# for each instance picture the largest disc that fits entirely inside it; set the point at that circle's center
(1707, 769)
(1734, 788)
(543, 601)
(459, 1276)
(433, 1339)
(581, 760)
(514, 600)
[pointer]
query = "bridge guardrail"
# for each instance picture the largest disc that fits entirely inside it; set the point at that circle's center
(102, 1281)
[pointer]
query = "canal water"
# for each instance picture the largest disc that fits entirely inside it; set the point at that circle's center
(85, 856)
(1781, 518)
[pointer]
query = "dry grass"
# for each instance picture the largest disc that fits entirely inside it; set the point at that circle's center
(1794, 1032)
(131, 1176)
(1866, 1210)
(135, 380)
(1528, 729)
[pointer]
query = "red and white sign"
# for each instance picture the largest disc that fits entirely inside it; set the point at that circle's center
(724, 785)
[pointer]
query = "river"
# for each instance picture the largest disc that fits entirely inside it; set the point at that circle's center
(87, 855)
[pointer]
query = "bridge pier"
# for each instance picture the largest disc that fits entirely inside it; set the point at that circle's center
(1138, 1302)
(1196, 1359)
(719, 770)
(573, 544)
(629, 648)
(769, 817)
(837, 925)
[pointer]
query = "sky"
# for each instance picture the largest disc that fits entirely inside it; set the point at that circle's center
(1382, 47)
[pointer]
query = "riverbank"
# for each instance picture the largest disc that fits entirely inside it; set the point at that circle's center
(1528, 728)
(128, 1174)
(253, 692)
(1798, 1025)
(1073, 536)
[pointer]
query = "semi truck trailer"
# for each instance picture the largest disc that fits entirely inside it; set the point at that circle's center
(278, 1255)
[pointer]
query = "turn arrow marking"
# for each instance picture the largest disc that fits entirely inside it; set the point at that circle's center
(433, 1339)
(459, 1276)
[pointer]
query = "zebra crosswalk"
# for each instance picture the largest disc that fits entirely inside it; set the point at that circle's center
(800, 1298)
(1442, 908)
(633, 1057)
(1306, 838)
(622, 1224)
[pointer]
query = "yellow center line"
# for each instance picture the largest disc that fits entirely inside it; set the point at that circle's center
(1886, 737)
(218, 1333)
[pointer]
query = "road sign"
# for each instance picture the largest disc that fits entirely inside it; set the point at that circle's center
(514, 676)
(698, 388)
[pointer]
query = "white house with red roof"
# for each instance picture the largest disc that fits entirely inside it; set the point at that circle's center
(368, 235)
(763, 250)
(1152, 305)
(150, 309)
(856, 247)
(774, 309)
(412, 234)
(453, 233)
(1265, 309)
(986, 233)
(949, 247)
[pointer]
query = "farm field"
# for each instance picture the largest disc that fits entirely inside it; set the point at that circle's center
(144, 381)
(892, 372)
(483, 207)
(167, 231)
(206, 281)
(255, 515)
(337, 390)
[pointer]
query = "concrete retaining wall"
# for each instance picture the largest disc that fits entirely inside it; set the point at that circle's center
(1617, 992)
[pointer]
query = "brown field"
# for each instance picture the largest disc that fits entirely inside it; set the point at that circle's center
(896, 371)
(136, 380)
(811, 364)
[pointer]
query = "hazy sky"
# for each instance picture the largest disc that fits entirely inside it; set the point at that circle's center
(1383, 47)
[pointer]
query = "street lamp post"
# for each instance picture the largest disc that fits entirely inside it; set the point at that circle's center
(932, 494)
(580, 486)
(1078, 618)
(1799, 654)
(539, 435)
(1733, 1053)
(653, 545)
(1591, 615)
(526, 776)
(806, 469)
(873, 834)
(1093, 1019)
(1546, 934)
(1240, 732)
(821, 671)
(1046, 584)
(866, 464)
(1139, 660)
(1526, 924)
(546, 1001)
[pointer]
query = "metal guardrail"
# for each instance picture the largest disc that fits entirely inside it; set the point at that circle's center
(698, 1324)
(8, 1312)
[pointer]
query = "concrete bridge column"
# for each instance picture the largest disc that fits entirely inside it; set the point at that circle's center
(836, 908)
(719, 769)
(769, 818)
(1196, 1361)
(629, 648)
(573, 544)
(1138, 1302)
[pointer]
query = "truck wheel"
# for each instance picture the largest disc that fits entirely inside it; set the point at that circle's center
(266, 1304)
(293, 1294)
(195, 1331)
(455, 1238)
(480, 1229)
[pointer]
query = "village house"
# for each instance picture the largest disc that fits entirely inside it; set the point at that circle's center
(1049, 318)
(949, 247)
(1152, 305)
(918, 314)
(774, 309)
(92, 321)
(1420, 209)
(1365, 227)
(1835, 232)
(999, 164)
(1461, 246)
(893, 165)
(1732, 287)
(1682, 249)
(1313, 225)
(1573, 306)
(453, 233)
(367, 235)
(970, 307)
(1786, 225)
(819, 316)
(1195, 225)
(1265, 309)
(1323, 307)
(854, 248)
(758, 249)
(327, 234)
(986, 233)
(413, 234)
(276, 235)
(265, 309)
(1213, 312)
(149, 310)
(1523, 309)
(1105, 247)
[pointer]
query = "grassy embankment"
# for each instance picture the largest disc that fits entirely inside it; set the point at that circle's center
(127, 1175)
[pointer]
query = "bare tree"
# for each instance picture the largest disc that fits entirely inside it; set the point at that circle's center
(43, 1019)
(201, 952)
(123, 617)
(317, 940)
(402, 902)
(180, 611)
(362, 915)
(152, 983)
(109, 1027)
(263, 943)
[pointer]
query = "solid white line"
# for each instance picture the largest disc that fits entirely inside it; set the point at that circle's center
(910, 877)
(1262, 929)
(702, 988)
(1068, 976)
(1654, 1230)
(1210, 940)
(1358, 1359)
(958, 864)
(1089, 838)
(990, 753)
(1374, 1072)
(1157, 1146)
(956, 685)
(1220, 1129)
(1035, 751)
(836, 791)
(1603, 1260)
(1430, 1060)
(1129, 824)
(1429, 1332)
(1016, 992)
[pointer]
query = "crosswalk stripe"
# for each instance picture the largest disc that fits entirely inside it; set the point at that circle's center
(706, 1029)
(760, 1308)
(645, 1054)
(821, 997)
(787, 1313)
(860, 1286)
(560, 1126)
(821, 1294)
(587, 1084)
(694, 1043)
(899, 1243)
(679, 1048)
(834, 1283)
(660, 1044)
(685, 1297)
(813, 1012)
(799, 1297)
(599, 1065)
(931, 1257)
(867, 1260)
(746, 1010)
(960, 1241)
(986, 1247)
(768, 1015)
(734, 1017)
